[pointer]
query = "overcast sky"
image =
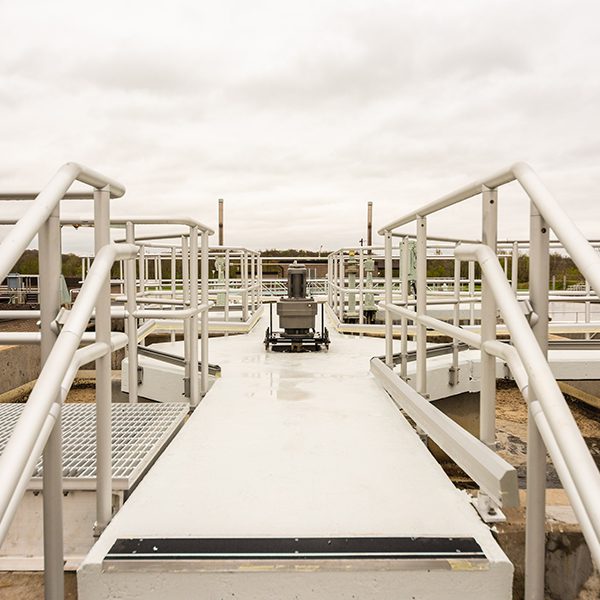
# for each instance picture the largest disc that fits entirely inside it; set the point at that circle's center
(297, 114)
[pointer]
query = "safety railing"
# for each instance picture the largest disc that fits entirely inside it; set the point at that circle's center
(39, 425)
(550, 424)
(162, 299)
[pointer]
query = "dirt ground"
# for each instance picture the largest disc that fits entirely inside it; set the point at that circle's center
(511, 415)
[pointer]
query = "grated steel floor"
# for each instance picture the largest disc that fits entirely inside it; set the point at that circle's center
(139, 434)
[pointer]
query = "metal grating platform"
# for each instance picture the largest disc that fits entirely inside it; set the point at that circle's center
(139, 434)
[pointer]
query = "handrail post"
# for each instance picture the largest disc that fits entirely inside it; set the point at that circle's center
(244, 278)
(487, 397)
(227, 283)
(421, 383)
(103, 370)
(329, 278)
(404, 258)
(471, 283)
(194, 291)
(456, 321)
(260, 280)
(389, 323)
(142, 270)
(361, 285)
(535, 540)
(204, 315)
(185, 275)
(50, 269)
(132, 354)
(173, 282)
(342, 276)
(514, 270)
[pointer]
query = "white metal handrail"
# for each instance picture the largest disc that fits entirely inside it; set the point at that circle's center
(81, 357)
(545, 214)
(561, 424)
(39, 414)
(27, 227)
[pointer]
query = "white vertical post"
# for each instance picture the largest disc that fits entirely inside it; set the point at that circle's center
(103, 370)
(173, 273)
(471, 276)
(142, 270)
(342, 275)
(260, 279)
(204, 316)
(487, 398)
(185, 272)
(227, 283)
(361, 286)
(50, 268)
(329, 280)
(389, 322)
(132, 354)
(194, 293)
(421, 383)
(244, 277)
(253, 282)
(173, 282)
(121, 278)
(456, 319)
(404, 257)
(588, 291)
(535, 541)
(160, 277)
(514, 271)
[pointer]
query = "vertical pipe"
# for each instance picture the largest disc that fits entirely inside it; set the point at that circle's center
(329, 280)
(334, 280)
(50, 270)
(361, 286)
(471, 277)
(252, 282)
(173, 283)
(456, 319)
(220, 222)
(369, 225)
(121, 278)
(142, 273)
(487, 398)
(260, 279)
(103, 371)
(132, 354)
(539, 267)
(173, 273)
(404, 257)
(342, 305)
(185, 270)
(194, 292)
(588, 290)
(389, 323)
(227, 266)
(244, 277)
(185, 273)
(204, 316)
(160, 277)
(421, 386)
(514, 276)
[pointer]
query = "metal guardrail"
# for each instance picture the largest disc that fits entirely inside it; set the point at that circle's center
(39, 424)
(550, 419)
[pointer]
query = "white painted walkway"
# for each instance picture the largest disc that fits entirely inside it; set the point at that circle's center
(296, 445)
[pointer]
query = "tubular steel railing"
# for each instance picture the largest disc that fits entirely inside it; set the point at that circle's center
(550, 423)
(43, 408)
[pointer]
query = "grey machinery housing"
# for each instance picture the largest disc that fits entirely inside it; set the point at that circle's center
(297, 316)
